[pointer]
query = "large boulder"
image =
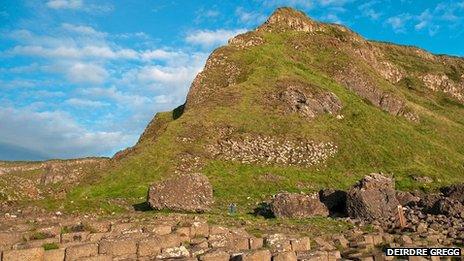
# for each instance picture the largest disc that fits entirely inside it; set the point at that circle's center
(293, 205)
(454, 191)
(190, 192)
(372, 198)
(407, 198)
(436, 204)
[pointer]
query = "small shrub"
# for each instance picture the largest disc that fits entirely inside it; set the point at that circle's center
(50, 246)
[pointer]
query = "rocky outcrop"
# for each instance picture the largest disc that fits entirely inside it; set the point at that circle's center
(455, 191)
(246, 40)
(307, 100)
(406, 198)
(190, 192)
(220, 71)
(441, 82)
(285, 18)
(372, 198)
(292, 205)
(365, 87)
(270, 150)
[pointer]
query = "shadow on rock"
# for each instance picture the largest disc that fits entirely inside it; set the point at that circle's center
(142, 207)
(263, 209)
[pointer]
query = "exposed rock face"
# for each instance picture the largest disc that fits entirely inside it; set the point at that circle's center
(269, 150)
(372, 198)
(441, 82)
(246, 40)
(455, 192)
(448, 207)
(406, 198)
(308, 102)
(286, 18)
(375, 58)
(292, 205)
(219, 72)
(334, 200)
(366, 88)
(191, 192)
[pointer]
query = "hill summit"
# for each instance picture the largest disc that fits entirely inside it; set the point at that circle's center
(298, 105)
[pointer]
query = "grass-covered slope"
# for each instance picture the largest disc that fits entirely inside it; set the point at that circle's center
(236, 96)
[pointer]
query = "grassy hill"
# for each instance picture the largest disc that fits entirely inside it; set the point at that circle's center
(401, 113)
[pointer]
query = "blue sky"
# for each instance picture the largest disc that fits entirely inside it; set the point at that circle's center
(84, 77)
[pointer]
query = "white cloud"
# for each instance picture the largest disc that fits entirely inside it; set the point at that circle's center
(332, 2)
(65, 4)
(55, 134)
(294, 3)
(367, 9)
(207, 38)
(86, 73)
(82, 29)
(76, 102)
(249, 18)
(160, 54)
(398, 22)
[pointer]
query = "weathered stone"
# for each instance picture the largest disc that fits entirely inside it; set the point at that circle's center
(284, 256)
(171, 240)
(406, 198)
(303, 99)
(199, 229)
(256, 255)
(300, 244)
(292, 205)
(83, 250)
(218, 230)
(99, 226)
(446, 206)
(158, 229)
(174, 252)
(149, 247)
(217, 255)
(256, 243)
(75, 237)
(372, 198)
(341, 241)
(119, 247)
(277, 243)
(191, 192)
(454, 191)
(97, 258)
(239, 243)
(31, 254)
(54, 255)
(323, 244)
(10, 238)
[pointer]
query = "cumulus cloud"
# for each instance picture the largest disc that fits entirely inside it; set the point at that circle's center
(295, 3)
(65, 4)
(367, 10)
(82, 29)
(208, 38)
(55, 134)
(249, 17)
(76, 102)
(86, 73)
(398, 22)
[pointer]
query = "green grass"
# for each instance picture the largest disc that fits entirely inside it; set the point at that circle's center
(50, 246)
